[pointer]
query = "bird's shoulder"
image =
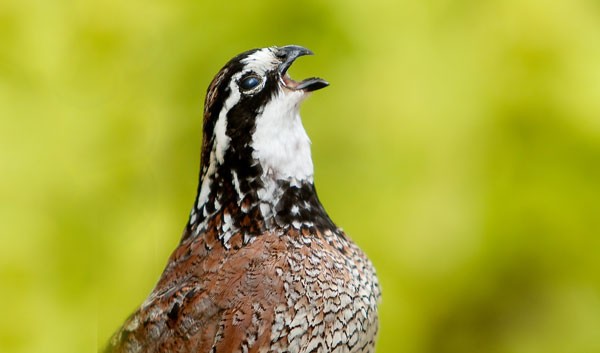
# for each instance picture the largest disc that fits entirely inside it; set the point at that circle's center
(206, 293)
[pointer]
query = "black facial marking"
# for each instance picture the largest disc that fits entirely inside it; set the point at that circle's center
(216, 95)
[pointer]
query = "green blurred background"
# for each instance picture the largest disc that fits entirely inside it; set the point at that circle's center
(458, 144)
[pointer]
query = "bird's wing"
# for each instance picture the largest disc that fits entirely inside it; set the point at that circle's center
(203, 300)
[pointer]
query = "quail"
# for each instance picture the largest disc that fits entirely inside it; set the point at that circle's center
(260, 266)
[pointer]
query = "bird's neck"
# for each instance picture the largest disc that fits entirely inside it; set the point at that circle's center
(242, 199)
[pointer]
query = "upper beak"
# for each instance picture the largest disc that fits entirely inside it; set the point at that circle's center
(288, 55)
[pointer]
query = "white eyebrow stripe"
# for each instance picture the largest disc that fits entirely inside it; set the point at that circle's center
(259, 60)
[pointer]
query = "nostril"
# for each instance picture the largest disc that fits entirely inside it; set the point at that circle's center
(281, 54)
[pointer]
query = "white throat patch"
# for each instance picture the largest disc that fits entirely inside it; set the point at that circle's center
(280, 142)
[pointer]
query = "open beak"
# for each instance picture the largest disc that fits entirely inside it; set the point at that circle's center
(288, 55)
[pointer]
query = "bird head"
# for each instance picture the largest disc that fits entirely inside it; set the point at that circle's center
(257, 170)
(251, 116)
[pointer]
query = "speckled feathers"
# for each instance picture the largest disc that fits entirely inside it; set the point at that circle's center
(260, 267)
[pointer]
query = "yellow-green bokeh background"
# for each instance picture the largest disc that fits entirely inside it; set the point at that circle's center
(458, 144)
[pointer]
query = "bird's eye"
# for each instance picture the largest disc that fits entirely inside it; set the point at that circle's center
(249, 82)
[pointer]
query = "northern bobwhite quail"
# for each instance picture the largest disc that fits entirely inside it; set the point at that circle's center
(260, 266)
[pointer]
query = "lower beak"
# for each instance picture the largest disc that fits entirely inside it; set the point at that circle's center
(288, 55)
